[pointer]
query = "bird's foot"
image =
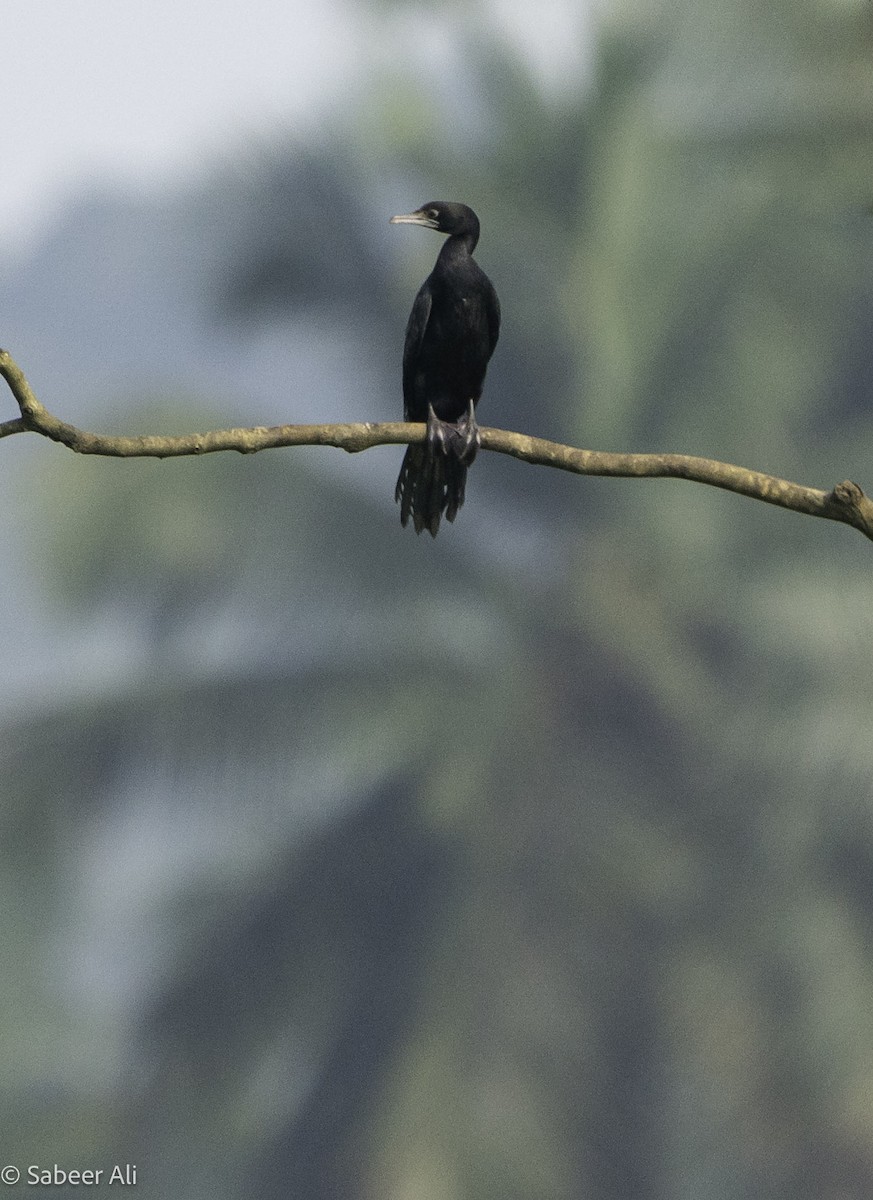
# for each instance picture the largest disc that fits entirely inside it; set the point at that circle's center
(469, 438)
(438, 432)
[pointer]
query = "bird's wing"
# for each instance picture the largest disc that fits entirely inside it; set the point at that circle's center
(415, 328)
(492, 313)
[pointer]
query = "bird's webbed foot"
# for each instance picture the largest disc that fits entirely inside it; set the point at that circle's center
(461, 438)
(469, 439)
(438, 432)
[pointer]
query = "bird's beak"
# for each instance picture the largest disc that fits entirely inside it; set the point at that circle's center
(415, 218)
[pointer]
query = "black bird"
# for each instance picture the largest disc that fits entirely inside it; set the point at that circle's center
(451, 335)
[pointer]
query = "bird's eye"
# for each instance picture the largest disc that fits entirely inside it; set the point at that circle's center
(434, 213)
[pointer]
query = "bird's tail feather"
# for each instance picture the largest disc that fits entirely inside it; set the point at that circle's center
(431, 483)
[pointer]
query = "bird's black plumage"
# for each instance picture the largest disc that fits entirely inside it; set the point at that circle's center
(450, 336)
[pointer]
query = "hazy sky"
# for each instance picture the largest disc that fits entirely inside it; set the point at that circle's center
(137, 89)
(134, 88)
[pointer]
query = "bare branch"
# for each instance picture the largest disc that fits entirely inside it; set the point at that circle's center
(846, 502)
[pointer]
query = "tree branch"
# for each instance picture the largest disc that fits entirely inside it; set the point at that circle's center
(846, 502)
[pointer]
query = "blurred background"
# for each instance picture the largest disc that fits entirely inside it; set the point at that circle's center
(534, 862)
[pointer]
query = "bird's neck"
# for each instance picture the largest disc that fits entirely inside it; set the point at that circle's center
(458, 247)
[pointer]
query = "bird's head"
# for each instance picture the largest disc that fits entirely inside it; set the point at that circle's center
(445, 216)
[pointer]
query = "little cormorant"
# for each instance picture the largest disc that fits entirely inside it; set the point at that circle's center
(450, 336)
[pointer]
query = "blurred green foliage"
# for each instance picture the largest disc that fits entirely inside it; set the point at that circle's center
(536, 862)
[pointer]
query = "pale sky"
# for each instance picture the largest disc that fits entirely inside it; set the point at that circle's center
(139, 90)
(133, 89)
